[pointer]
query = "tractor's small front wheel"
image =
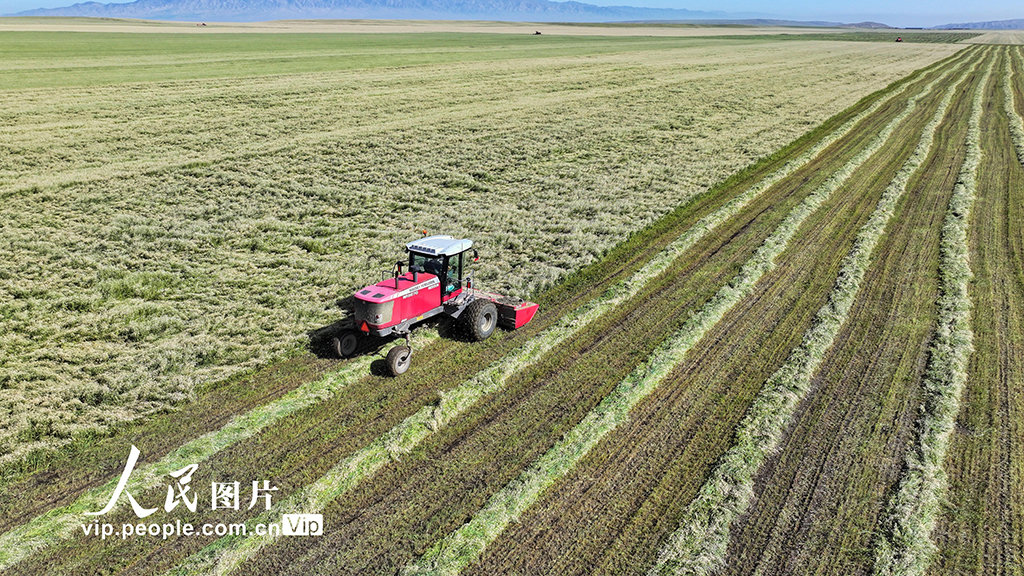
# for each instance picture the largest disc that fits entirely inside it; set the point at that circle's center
(398, 360)
(345, 345)
(481, 318)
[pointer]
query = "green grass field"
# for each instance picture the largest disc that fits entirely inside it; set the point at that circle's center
(753, 256)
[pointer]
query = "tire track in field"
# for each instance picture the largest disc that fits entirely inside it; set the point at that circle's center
(699, 545)
(224, 555)
(459, 549)
(818, 498)
(905, 545)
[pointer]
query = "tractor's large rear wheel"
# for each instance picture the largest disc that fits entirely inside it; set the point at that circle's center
(398, 360)
(481, 318)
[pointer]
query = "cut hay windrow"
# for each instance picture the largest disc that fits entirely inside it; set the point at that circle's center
(700, 543)
(227, 553)
(905, 545)
(457, 550)
(61, 523)
(1016, 124)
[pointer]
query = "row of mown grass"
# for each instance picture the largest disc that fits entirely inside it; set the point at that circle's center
(979, 531)
(608, 515)
(699, 545)
(818, 500)
(906, 546)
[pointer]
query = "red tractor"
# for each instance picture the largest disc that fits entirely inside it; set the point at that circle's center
(436, 283)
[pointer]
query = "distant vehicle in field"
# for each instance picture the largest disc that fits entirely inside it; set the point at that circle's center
(436, 283)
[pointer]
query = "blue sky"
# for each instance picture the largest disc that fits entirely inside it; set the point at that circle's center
(894, 13)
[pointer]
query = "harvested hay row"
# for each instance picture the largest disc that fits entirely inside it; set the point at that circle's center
(459, 549)
(905, 546)
(1016, 123)
(699, 545)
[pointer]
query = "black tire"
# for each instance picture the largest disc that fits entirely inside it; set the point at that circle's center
(346, 344)
(398, 360)
(480, 318)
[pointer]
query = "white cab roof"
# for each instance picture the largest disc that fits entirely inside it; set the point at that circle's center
(438, 245)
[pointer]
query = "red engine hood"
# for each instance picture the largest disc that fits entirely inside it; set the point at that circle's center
(385, 290)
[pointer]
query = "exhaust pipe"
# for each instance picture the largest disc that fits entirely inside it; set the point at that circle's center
(398, 272)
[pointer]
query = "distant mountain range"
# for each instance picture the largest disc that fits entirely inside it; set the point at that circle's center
(509, 10)
(995, 25)
(259, 10)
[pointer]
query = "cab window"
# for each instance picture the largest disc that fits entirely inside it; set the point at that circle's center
(429, 264)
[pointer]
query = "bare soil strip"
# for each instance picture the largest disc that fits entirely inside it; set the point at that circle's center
(818, 500)
(980, 530)
(699, 545)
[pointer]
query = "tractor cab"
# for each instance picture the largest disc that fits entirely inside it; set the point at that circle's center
(444, 257)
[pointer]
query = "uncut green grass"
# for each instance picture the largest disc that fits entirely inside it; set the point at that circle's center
(165, 234)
